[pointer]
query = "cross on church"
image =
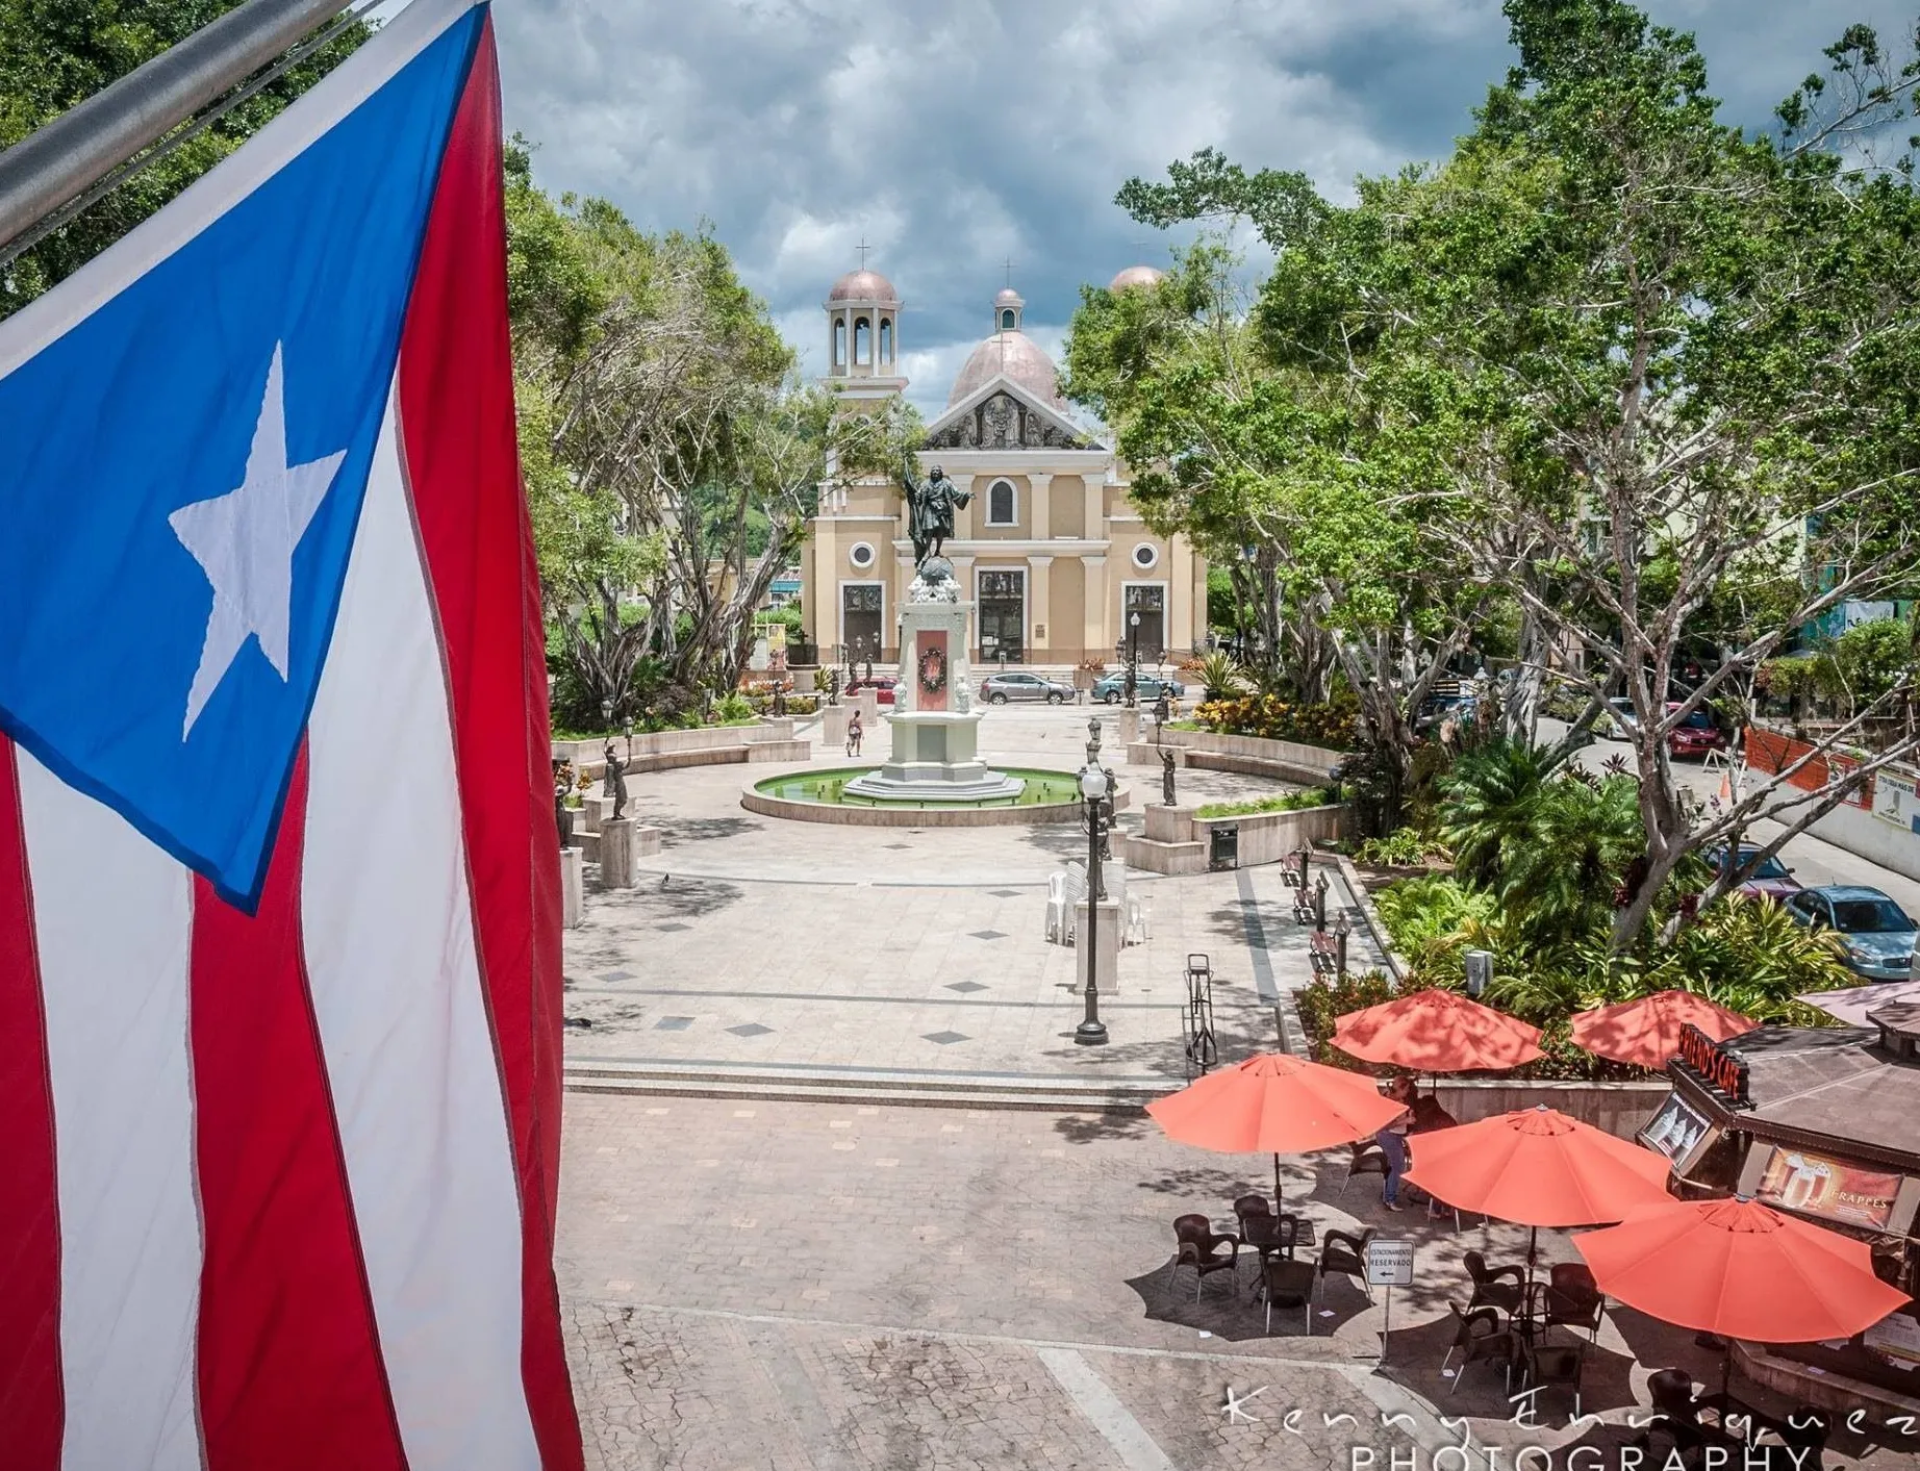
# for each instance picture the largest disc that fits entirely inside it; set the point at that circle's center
(863, 248)
(1009, 271)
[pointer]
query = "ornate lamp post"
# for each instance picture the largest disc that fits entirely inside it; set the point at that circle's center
(1133, 658)
(1092, 1032)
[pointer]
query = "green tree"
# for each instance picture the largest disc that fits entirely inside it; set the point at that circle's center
(57, 53)
(1616, 366)
(673, 454)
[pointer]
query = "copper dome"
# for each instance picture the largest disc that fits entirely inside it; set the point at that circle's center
(1020, 358)
(1136, 276)
(864, 285)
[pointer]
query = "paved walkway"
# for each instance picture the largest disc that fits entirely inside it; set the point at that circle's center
(755, 942)
(795, 1285)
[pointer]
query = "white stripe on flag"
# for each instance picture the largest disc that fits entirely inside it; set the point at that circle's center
(396, 986)
(113, 915)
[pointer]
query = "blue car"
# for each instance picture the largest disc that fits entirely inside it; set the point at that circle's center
(1876, 931)
(1113, 688)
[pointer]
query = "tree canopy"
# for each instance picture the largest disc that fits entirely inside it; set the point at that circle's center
(55, 54)
(1628, 379)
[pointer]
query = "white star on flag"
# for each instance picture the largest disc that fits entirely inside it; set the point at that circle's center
(245, 540)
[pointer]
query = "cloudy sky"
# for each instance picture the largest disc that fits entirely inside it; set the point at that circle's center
(954, 135)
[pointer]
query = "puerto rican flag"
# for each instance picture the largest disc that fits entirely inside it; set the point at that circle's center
(279, 893)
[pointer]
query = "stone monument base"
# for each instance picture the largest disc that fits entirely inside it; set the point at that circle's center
(616, 853)
(572, 889)
(935, 760)
(1106, 964)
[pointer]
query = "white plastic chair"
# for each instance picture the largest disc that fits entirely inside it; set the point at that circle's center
(1139, 921)
(1075, 892)
(1058, 916)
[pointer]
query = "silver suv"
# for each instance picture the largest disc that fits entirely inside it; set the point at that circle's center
(997, 689)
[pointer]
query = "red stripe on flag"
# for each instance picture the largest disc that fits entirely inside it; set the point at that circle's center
(290, 1369)
(463, 468)
(32, 1404)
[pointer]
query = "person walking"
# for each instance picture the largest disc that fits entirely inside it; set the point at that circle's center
(1393, 1141)
(854, 733)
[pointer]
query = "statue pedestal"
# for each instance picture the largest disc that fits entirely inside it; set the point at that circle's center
(935, 732)
(1129, 725)
(617, 854)
(572, 888)
(1106, 950)
(833, 727)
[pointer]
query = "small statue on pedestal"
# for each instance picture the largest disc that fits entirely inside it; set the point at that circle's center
(833, 686)
(616, 782)
(779, 698)
(1166, 775)
(562, 789)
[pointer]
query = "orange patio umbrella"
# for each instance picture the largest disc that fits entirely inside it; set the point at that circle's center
(1274, 1103)
(1646, 1032)
(1437, 1031)
(1739, 1269)
(1538, 1167)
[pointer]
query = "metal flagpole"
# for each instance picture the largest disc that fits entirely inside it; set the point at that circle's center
(62, 160)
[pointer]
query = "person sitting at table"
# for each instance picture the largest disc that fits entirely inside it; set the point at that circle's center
(1393, 1141)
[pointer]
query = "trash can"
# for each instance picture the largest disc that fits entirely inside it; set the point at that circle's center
(1224, 849)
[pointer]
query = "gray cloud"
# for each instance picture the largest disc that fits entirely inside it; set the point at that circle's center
(955, 134)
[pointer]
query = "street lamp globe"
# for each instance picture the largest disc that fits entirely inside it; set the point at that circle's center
(1134, 621)
(1093, 783)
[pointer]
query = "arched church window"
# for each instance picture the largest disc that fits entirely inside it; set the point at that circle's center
(886, 341)
(1007, 319)
(1003, 506)
(839, 344)
(862, 341)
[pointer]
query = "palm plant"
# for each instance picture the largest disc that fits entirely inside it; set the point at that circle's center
(1579, 837)
(1750, 955)
(1221, 675)
(1486, 802)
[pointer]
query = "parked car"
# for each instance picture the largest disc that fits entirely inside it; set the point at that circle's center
(1876, 931)
(1113, 688)
(1771, 879)
(997, 689)
(1695, 736)
(881, 685)
(1619, 721)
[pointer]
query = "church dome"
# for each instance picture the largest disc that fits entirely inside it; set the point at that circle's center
(864, 285)
(1007, 296)
(1136, 276)
(1016, 355)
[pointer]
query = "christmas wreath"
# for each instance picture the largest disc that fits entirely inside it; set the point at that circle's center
(933, 671)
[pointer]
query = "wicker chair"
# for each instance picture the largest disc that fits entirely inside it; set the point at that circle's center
(1367, 1158)
(1574, 1299)
(1197, 1245)
(1480, 1333)
(1290, 1283)
(1345, 1255)
(1489, 1288)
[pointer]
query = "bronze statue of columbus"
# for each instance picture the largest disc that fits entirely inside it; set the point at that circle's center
(930, 505)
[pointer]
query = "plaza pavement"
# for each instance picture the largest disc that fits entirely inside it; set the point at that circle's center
(751, 1283)
(829, 1285)
(758, 944)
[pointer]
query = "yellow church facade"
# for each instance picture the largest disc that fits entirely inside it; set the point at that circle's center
(1055, 559)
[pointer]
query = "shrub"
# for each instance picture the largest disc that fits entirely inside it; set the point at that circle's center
(1333, 725)
(733, 709)
(1403, 848)
(1284, 802)
(1324, 1000)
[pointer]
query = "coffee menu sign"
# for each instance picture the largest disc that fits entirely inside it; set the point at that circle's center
(1715, 1064)
(1817, 1185)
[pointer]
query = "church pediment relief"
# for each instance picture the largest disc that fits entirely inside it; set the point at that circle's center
(1003, 420)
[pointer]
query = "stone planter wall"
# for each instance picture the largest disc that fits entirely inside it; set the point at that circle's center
(1177, 841)
(1621, 1109)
